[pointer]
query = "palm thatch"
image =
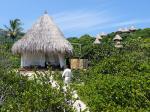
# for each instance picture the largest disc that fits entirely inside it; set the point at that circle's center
(99, 37)
(103, 34)
(96, 41)
(126, 30)
(117, 37)
(132, 28)
(44, 37)
(120, 30)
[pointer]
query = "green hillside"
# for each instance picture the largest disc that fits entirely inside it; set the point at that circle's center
(116, 80)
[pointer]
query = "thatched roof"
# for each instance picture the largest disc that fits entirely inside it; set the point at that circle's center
(120, 30)
(44, 36)
(99, 37)
(96, 41)
(125, 30)
(117, 37)
(103, 34)
(132, 28)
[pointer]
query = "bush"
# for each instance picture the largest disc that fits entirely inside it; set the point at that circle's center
(21, 94)
(118, 79)
(116, 93)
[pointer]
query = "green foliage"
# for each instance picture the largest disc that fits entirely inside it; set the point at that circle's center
(14, 28)
(116, 93)
(17, 93)
(85, 41)
(118, 79)
(21, 94)
(7, 59)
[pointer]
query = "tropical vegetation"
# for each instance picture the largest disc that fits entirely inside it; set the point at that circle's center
(116, 80)
(14, 28)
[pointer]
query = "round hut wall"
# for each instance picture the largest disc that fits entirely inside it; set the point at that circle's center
(40, 59)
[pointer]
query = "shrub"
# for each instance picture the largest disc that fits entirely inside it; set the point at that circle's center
(21, 94)
(116, 93)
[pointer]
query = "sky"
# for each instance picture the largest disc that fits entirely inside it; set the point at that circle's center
(79, 17)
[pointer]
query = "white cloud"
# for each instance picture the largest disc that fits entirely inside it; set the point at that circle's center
(82, 20)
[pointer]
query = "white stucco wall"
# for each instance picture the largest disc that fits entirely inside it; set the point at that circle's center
(32, 59)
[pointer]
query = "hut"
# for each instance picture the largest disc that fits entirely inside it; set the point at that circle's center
(43, 43)
(132, 29)
(117, 39)
(123, 30)
(103, 34)
(126, 30)
(120, 30)
(97, 41)
(99, 37)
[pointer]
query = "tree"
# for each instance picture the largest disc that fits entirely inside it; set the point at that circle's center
(14, 28)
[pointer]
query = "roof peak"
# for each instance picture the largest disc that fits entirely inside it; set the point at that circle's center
(45, 12)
